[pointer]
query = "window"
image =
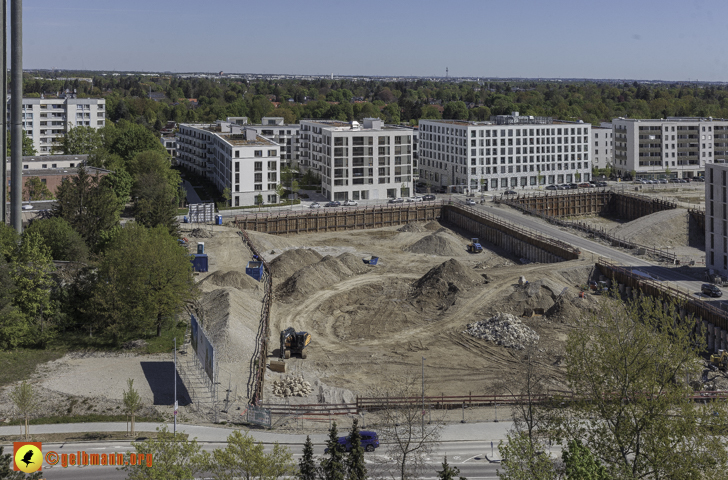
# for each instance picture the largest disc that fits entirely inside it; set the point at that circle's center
(258, 166)
(272, 153)
(258, 177)
(259, 153)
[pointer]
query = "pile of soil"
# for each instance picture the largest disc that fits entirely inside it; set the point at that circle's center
(232, 278)
(669, 228)
(442, 284)
(200, 233)
(231, 318)
(441, 243)
(312, 278)
(567, 310)
(265, 242)
(432, 226)
(417, 227)
(291, 261)
(532, 296)
(503, 329)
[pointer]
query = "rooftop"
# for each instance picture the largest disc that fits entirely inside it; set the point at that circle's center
(47, 172)
(60, 158)
(238, 139)
(341, 126)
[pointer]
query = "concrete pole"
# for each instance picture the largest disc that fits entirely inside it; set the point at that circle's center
(16, 115)
(4, 118)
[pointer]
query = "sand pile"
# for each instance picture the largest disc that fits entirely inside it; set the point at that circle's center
(503, 329)
(441, 243)
(313, 278)
(291, 261)
(292, 387)
(231, 318)
(432, 226)
(265, 242)
(417, 227)
(448, 278)
(533, 295)
(200, 233)
(232, 278)
(669, 228)
(567, 310)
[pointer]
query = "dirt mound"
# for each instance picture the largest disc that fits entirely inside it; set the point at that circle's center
(231, 318)
(567, 310)
(232, 278)
(417, 227)
(532, 296)
(432, 226)
(291, 261)
(441, 243)
(441, 285)
(265, 242)
(312, 278)
(503, 329)
(669, 228)
(200, 233)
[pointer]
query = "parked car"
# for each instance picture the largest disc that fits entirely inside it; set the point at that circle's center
(428, 198)
(698, 179)
(333, 204)
(469, 201)
(585, 185)
(662, 181)
(396, 200)
(351, 203)
(551, 187)
(711, 290)
(682, 180)
(573, 186)
(601, 184)
(369, 441)
(510, 192)
(315, 205)
(564, 186)
(415, 199)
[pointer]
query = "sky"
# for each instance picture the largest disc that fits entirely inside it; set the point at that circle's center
(635, 39)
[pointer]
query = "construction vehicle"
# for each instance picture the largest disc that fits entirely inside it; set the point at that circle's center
(720, 360)
(294, 342)
(474, 246)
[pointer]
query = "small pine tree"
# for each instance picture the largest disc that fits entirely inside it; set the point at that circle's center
(448, 472)
(306, 466)
(332, 468)
(355, 468)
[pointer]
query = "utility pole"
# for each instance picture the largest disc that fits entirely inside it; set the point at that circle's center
(4, 119)
(16, 115)
(175, 387)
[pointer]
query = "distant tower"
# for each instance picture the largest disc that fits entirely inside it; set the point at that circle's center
(447, 73)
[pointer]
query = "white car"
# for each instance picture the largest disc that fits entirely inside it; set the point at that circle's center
(315, 205)
(351, 203)
(414, 199)
(469, 201)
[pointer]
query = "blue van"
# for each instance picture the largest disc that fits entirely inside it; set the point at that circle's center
(369, 441)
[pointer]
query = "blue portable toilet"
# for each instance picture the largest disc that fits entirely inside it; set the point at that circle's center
(218, 220)
(199, 262)
(185, 219)
(255, 270)
(200, 248)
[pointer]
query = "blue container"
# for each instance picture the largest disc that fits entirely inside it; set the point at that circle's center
(185, 219)
(199, 263)
(255, 270)
(218, 219)
(373, 260)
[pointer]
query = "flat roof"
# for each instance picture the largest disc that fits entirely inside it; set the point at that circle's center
(238, 139)
(45, 158)
(46, 172)
(341, 126)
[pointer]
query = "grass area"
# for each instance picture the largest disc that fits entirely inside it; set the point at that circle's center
(84, 437)
(88, 418)
(19, 364)
(155, 344)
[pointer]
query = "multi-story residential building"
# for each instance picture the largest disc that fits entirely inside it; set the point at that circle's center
(275, 128)
(232, 156)
(508, 151)
(602, 146)
(169, 142)
(46, 120)
(716, 217)
(415, 154)
(676, 146)
(358, 162)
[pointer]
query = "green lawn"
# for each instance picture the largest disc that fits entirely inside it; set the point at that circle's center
(19, 364)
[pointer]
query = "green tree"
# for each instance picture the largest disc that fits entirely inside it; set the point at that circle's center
(306, 466)
(121, 183)
(132, 401)
(391, 114)
(455, 111)
(89, 205)
(430, 112)
(31, 273)
(133, 139)
(580, 464)
(522, 462)
(65, 243)
(354, 463)
(631, 363)
(332, 467)
(155, 202)
(245, 458)
(25, 400)
(143, 280)
(35, 189)
(226, 195)
(448, 472)
(28, 149)
(6, 469)
(9, 240)
(173, 457)
(82, 141)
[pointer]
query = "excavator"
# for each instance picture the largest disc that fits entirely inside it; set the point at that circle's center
(720, 360)
(294, 342)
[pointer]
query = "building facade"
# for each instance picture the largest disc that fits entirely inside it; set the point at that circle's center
(673, 147)
(509, 151)
(358, 161)
(231, 156)
(602, 146)
(47, 120)
(716, 218)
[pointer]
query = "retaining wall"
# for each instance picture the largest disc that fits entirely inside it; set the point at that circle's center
(510, 237)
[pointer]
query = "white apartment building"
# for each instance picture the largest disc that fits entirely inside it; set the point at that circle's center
(358, 162)
(285, 135)
(46, 120)
(716, 218)
(232, 156)
(602, 146)
(509, 151)
(673, 147)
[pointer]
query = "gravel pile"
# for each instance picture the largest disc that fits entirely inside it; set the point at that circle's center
(291, 261)
(668, 228)
(200, 233)
(503, 329)
(292, 387)
(439, 243)
(417, 227)
(318, 276)
(450, 277)
(232, 278)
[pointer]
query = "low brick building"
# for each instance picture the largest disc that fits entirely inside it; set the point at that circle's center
(53, 177)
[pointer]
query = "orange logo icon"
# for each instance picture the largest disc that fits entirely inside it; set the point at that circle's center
(27, 456)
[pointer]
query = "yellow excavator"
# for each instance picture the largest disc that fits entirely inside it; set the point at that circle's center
(294, 342)
(720, 360)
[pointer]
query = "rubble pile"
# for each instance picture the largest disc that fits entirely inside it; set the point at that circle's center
(200, 233)
(503, 329)
(292, 387)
